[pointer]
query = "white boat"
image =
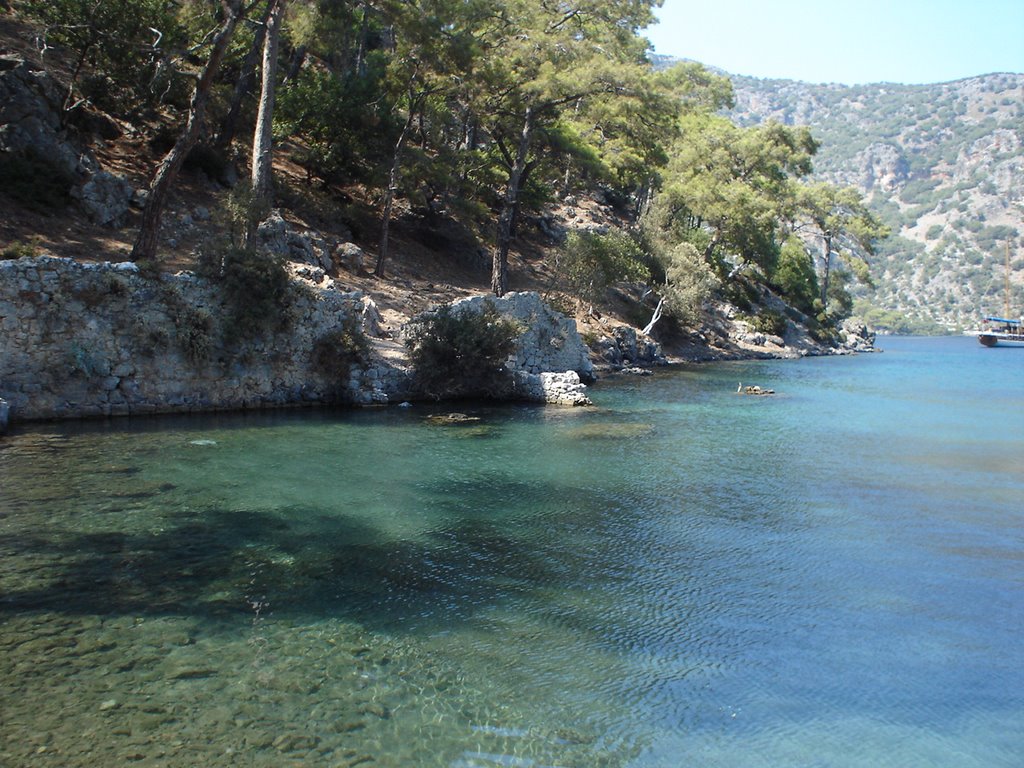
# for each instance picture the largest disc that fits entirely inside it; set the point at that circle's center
(1002, 332)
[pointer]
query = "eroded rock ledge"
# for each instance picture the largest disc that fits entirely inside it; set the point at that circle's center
(102, 339)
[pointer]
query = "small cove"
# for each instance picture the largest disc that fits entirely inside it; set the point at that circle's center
(678, 576)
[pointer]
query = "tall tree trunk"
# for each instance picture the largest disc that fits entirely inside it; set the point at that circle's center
(709, 250)
(243, 85)
(499, 266)
(364, 34)
(514, 229)
(145, 243)
(389, 196)
(826, 268)
(262, 149)
(262, 143)
(658, 311)
(644, 200)
(298, 58)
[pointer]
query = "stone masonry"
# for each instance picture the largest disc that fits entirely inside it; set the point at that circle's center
(103, 339)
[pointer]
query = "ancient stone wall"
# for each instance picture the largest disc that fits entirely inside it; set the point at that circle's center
(103, 339)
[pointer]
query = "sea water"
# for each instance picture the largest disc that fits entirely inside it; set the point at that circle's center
(678, 576)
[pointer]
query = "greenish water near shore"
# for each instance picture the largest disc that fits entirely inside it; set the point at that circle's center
(679, 576)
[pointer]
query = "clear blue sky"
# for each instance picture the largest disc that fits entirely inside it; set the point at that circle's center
(842, 41)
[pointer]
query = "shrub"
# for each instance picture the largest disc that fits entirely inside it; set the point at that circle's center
(208, 160)
(20, 250)
(337, 351)
(256, 288)
(590, 263)
(194, 329)
(689, 281)
(767, 321)
(35, 181)
(462, 353)
(795, 277)
(195, 334)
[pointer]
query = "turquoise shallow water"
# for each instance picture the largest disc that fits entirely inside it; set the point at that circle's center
(680, 576)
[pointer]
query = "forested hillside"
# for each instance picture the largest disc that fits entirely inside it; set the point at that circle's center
(479, 130)
(942, 165)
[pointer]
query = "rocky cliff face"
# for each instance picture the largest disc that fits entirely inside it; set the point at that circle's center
(103, 339)
(942, 164)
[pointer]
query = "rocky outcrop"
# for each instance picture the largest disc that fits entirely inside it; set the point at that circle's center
(624, 347)
(105, 198)
(103, 339)
(280, 238)
(563, 388)
(549, 343)
(880, 165)
(30, 108)
(857, 336)
(32, 129)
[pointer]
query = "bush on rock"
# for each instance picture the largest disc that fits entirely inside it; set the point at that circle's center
(462, 353)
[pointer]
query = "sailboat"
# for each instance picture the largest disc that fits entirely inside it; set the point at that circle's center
(1003, 331)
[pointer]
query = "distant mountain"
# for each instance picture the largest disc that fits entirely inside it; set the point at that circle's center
(942, 164)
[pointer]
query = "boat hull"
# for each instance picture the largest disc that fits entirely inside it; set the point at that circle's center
(1000, 339)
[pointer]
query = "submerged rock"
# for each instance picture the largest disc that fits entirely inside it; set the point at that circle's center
(610, 431)
(449, 419)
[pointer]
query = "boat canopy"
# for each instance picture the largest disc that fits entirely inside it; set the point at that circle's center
(1003, 320)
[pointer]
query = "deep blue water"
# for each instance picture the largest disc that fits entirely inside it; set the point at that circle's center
(832, 576)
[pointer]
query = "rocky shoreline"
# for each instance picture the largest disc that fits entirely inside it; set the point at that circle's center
(86, 340)
(102, 339)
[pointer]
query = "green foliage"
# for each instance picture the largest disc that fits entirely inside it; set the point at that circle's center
(240, 209)
(114, 42)
(99, 290)
(795, 278)
(742, 294)
(194, 329)
(35, 181)
(336, 352)
(893, 321)
(840, 301)
(456, 352)
(735, 183)
(256, 288)
(20, 250)
(689, 282)
(766, 321)
(589, 263)
(347, 122)
(922, 191)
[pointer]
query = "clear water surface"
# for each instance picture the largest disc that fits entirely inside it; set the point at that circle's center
(680, 576)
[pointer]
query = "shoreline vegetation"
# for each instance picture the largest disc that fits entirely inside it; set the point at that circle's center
(205, 231)
(104, 339)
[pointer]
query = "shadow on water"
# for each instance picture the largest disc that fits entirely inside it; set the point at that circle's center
(218, 563)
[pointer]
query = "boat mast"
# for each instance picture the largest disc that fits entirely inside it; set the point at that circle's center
(1006, 279)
